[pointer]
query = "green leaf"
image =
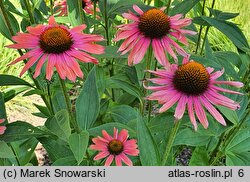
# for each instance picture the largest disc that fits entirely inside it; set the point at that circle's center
(222, 15)
(199, 157)
(13, 23)
(21, 130)
(60, 125)
(75, 13)
(78, 144)
(44, 110)
(190, 137)
(66, 161)
(229, 114)
(2, 106)
(240, 142)
(88, 104)
(34, 91)
(126, 86)
(5, 151)
(149, 153)
(231, 30)
(122, 6)
(109, 127)
(13, 91)
(56, 149)
(110, 52)
(24, 150)
(238, 159)
(6, 80)
(123, 113)
(184, 7)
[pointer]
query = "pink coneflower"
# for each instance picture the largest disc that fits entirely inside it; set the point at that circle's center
(117, 147)
(61, 7)
(153, 26)
(193, 85)
(59, 46)
(2, 128)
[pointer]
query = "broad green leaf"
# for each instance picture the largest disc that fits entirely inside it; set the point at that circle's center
(66, 161)
(109, 127)
(56, 149)
(60, 125)
(75, 12)
(24, 150)
(122, 6)
(199, 157)
(229, 114)
(34, 91)
(238, 159)
(190, 137)
(5, 151)
(88, 104)
(6, 80)
(126, 86)
(78, 144)
(21, 130)
(231, 30)
(123, 113)
(149, 152)
(110, 52)
(241, 142)
(183, 7)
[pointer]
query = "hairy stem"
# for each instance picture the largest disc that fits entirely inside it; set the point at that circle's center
(68, 105)
(171, 139)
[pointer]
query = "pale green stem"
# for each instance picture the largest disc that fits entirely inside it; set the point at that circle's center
(68, 105)
(28, 8)
(171, 139)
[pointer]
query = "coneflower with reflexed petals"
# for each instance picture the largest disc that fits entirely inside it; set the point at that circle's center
(115, 148)
(60, 7)
(153, 26)
(194, 86)
(59, 46)
(2, 128)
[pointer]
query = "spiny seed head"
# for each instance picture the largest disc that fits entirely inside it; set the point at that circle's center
(191, 78)
(55, 40)
(115, 147)
(154, 23)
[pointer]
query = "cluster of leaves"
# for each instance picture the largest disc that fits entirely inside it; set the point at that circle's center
(112, 96)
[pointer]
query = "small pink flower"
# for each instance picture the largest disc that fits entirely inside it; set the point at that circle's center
(61, 6)
(59, 47)
(156, 28)
(115, 148)
(2, 128)
(194, 86)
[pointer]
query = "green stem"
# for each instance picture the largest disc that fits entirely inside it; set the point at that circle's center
(147, 76)
(106, 22)
(168, 5)
(206, 32)
(28, 8)
(94, 16)
(201, 27)
(51, 7)
(171, 139)
(68, 105)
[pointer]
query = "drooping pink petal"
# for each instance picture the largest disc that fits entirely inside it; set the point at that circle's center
(159, 52)
(170, 103)
(118, 160)
(50, 66)
(125, 159)
(101, 155)
(200, 113)
(2, 129)
(40, 65)
(109, 160)
(231, 83)
(213, 111)
(191, 112)
(2, 120)
(30, 63)
(52, 21)
(115, 133)
(180, 109)
(106, 135)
